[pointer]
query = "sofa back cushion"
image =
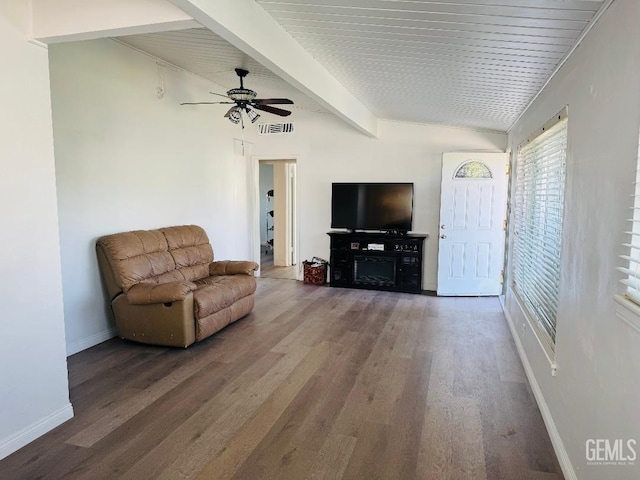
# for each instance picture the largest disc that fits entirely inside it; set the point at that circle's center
(157, 256)
(191, 251)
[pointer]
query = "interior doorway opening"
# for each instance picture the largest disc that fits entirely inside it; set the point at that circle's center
(277, 217)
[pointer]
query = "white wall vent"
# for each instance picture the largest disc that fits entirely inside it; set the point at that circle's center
(275, 128)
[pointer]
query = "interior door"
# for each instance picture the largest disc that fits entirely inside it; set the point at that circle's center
(472, 213)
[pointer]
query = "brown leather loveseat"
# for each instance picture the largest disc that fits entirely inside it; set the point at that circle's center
(165, 288)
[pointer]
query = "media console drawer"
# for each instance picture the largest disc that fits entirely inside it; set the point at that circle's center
(378, 261)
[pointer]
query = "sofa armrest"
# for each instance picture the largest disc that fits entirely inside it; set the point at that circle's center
(232, 267)
(149, 293)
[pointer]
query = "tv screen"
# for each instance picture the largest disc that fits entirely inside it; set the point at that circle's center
(372, 206)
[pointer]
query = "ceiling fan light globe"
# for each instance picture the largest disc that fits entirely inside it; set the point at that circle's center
(253, 116)
(235, 116)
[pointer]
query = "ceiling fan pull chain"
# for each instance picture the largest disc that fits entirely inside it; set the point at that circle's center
(242, 139)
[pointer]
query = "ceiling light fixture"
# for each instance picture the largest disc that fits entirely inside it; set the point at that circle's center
(235, 116)
(253, 116)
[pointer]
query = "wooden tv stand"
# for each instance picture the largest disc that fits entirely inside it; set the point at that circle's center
(377, 261)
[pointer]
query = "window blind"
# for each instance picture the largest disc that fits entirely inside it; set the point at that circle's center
(632, 257)
(538, 212)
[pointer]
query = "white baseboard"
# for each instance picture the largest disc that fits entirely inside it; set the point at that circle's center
(558, 445)
(89, 342)
(35, 430)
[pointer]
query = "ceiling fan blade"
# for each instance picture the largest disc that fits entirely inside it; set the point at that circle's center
(272, 101)
(219, 94)
(274, 110)
(208, 103)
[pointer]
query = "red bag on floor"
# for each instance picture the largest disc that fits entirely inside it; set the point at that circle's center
(315, 271)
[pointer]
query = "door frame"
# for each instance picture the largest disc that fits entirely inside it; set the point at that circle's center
(254, 201)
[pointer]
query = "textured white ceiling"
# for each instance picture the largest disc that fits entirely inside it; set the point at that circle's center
(471, 63)
(207, 55)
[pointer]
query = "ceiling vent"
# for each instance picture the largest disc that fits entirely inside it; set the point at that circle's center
(275, 128)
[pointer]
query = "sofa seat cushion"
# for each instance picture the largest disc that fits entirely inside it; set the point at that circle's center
(218, 292)
(149, 293)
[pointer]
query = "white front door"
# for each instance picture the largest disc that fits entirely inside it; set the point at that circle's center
(472, 212)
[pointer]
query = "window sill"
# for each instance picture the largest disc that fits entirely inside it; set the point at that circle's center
(628, 312)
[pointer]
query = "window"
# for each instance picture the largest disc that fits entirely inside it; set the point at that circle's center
(632, 257)
(473, 169)
(538, 212)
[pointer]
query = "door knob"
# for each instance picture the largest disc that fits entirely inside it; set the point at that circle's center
(443, 236)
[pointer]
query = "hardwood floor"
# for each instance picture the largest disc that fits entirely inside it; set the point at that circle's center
(269, 270)
(316, 383)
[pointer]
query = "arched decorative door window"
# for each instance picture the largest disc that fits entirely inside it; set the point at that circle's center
(473, 169)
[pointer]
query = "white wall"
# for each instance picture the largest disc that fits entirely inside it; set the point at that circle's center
(34, 397)
(596, 393)
(127, 160)
(327, 151)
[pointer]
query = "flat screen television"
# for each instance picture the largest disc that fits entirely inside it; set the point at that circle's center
(372, 206)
